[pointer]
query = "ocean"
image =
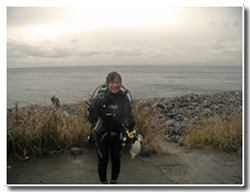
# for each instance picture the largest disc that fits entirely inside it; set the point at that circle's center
(31, 86)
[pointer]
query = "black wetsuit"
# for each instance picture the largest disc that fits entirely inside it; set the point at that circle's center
(115, 110)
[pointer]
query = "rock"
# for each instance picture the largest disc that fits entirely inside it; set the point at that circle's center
(161, 105)
(177, 137)
(194, 104)
(171, 138)
(61, 151)
(154, 104)
(52, 152)
(170, 122)
(180, 129)
(206, 112)
(181, 141)
(167, 137)
(179, 118)
(76, 150)
(170, 129)
(181, 138)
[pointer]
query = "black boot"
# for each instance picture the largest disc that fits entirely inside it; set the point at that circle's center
(114, 181)
(106, 182)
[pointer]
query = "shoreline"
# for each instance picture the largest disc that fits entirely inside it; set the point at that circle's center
(177, 114)
(140, 100)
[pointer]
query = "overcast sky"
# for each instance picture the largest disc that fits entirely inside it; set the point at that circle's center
(116, 36)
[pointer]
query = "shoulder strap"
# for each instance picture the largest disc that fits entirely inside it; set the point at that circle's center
(96, 91)
(103, 88)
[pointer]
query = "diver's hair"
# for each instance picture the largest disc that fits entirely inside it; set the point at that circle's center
(111, 76)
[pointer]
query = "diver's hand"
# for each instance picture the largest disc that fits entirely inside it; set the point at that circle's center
(92, 110)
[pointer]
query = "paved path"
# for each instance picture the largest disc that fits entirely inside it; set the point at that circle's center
(187, 167)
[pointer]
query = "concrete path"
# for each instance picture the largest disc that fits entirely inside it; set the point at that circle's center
(209, 167)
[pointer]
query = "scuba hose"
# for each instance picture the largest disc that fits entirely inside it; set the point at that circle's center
(89, 105)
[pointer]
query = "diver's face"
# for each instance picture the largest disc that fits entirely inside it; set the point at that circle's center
(115, 85)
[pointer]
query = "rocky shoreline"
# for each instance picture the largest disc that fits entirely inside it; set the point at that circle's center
(181, 111)
(178, 113)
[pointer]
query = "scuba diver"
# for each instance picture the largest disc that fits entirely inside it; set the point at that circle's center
(55, 100)
(110, 112)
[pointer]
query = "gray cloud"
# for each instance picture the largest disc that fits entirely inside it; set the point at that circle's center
(200, 35)
(218, 45)
(231, 53)
(89, 53)
(228, 24)
(17, 49)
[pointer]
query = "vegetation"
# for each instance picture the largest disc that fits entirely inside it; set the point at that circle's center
(146, 125)
(223, 132)
(31, 131)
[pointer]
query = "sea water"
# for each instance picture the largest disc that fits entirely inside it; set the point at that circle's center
(31, 86)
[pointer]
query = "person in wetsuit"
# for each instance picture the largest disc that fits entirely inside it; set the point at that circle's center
(111, 109)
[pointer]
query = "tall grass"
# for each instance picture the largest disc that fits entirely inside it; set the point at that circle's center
(30, 131)
(146, 124)
(222, 132)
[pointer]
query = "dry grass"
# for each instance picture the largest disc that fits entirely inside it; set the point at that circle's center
(146, 124)
(145, 117)
(222, 132)
(30, 131)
